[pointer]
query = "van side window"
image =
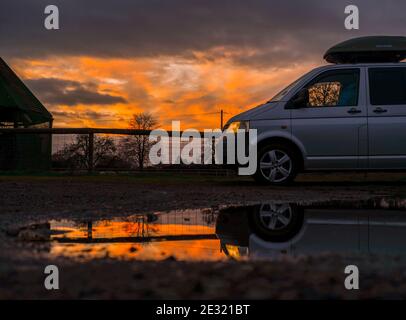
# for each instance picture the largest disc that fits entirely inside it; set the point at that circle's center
(334, 88)
(337, 88)
(387, 86)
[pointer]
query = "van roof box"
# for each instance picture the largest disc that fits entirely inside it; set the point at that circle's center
(374, 49)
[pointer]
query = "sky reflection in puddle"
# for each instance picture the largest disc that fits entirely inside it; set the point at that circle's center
(268, 230)
(183, 235)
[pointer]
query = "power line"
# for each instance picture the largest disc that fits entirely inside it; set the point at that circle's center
(201, 114)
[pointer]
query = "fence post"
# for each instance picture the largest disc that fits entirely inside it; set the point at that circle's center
(90, 230)
(91, 152)
(213, 150)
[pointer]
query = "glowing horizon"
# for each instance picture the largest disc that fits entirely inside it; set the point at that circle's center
(171, 88)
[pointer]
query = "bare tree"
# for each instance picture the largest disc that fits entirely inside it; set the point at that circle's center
(76, 154)
(136, 148)
(324, 94)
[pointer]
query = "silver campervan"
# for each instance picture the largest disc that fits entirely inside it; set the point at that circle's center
(349, 115)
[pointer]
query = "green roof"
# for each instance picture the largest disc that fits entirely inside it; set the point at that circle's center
(17, 102)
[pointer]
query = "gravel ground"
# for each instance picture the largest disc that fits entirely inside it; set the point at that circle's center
(316, 278)
(115, 195)
(26, 200)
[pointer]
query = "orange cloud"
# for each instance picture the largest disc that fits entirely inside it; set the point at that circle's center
(172, 88)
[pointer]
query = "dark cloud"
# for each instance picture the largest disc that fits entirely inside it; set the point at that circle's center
(75, 115)
(259, 32)
(66, 92)
(169, 101)
(81, 118)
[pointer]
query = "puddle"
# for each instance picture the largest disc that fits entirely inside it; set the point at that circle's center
(181, 235)
(267, 230)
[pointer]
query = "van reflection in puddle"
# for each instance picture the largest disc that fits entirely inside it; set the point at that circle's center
(270, 230)
(267, 230)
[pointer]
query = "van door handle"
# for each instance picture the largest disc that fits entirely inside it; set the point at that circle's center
(354, 111)
(380, 110)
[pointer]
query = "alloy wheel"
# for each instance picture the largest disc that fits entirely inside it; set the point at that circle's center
(276, 165)
(275, 217)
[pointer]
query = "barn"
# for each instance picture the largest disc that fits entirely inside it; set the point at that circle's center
(19, 108)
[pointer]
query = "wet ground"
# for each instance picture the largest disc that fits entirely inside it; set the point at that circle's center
(188, 237)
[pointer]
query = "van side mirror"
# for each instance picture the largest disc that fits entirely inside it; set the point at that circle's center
(300, 100)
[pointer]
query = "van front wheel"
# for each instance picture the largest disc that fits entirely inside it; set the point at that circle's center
(276, 165)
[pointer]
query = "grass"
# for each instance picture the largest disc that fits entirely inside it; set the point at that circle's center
(144, 178)
(349, 178)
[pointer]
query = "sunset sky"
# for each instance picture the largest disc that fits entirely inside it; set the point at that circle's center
(178, 59)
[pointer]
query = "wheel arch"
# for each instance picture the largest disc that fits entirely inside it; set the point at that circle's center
(288, 142)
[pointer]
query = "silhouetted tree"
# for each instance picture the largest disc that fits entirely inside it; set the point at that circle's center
(136, 148)
(324, 94)
(76, 154)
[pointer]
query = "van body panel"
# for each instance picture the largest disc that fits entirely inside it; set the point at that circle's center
(334, 137)
(387, 129)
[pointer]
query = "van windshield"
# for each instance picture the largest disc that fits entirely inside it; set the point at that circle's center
(285, 91)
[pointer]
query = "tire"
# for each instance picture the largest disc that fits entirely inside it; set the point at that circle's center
(277, 164)
(287, 221)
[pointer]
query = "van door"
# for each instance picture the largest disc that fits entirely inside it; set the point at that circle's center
(332, 126)
(387, 117)
(332, 230)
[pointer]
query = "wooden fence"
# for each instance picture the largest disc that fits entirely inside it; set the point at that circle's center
(91, 132)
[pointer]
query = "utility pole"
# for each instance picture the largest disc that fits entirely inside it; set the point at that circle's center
(221, 119)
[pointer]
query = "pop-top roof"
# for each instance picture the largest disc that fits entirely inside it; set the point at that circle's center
(374, 49)
(17, 102)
